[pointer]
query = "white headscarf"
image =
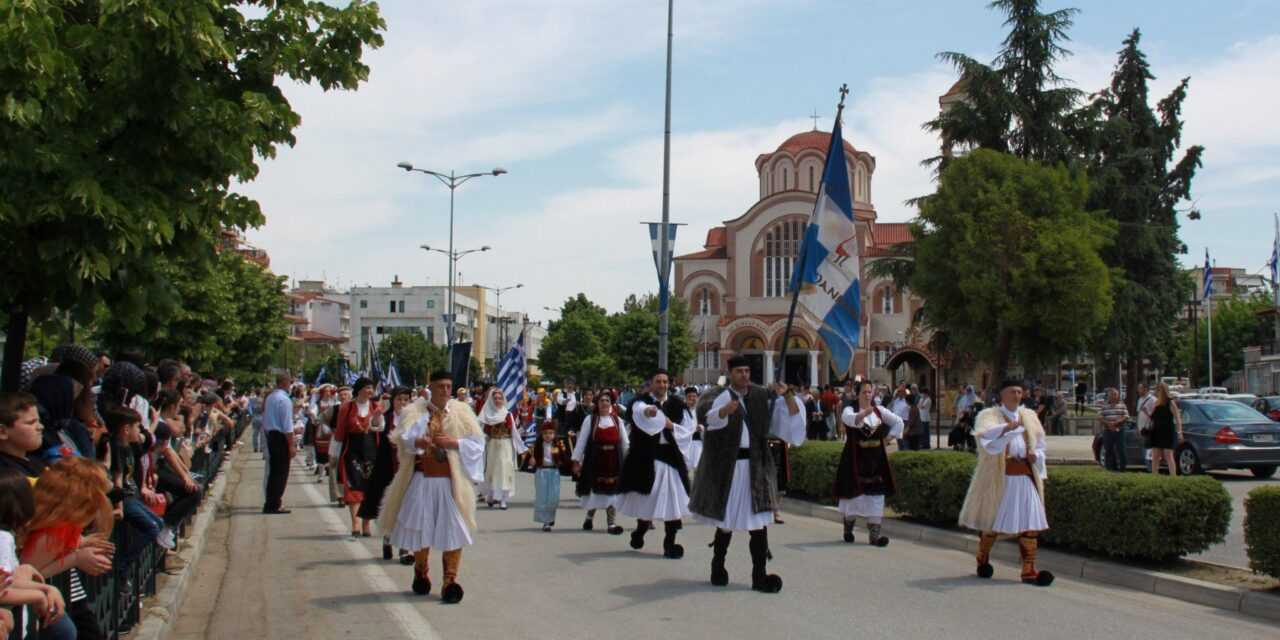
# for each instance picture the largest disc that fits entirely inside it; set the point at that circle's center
(492, 412)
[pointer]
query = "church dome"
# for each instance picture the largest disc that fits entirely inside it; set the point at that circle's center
(818, 140)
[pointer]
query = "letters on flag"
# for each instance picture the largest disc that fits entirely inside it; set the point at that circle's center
(827, 270)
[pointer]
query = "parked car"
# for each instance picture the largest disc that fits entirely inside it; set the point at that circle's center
(1268, 406)
(1213, 392)
(1217, 434)
(1246, 399)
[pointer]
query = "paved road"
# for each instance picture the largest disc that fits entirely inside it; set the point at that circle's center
(299, 576)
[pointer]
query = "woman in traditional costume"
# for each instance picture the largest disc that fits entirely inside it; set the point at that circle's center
(865, 477)
(503, 441)
(357, 450)
(597, 459)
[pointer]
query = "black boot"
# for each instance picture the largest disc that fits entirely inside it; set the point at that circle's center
(589, 523)
(610, 516)
(386, 549)
(848, 529)
(875, 537)
(719, 548)
(669, 547)
(637, 536)
(762, 580)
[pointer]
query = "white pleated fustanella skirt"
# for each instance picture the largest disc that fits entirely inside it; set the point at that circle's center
(668, 499)
(429, 518)
(739, 513)
(1021, 508)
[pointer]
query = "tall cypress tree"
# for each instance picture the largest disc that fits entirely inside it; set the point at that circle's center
(1137, 177)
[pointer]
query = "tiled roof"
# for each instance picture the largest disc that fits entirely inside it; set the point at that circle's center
(891, 233)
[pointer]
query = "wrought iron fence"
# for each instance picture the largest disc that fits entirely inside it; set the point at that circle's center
(115, 597)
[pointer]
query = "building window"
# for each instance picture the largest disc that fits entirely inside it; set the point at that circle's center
(813, 186)
(431, 334)
(401, 306)
(786, 177)
(364, 335)
(780, 247)
(364, 304)
(431, 304)
(704, 304)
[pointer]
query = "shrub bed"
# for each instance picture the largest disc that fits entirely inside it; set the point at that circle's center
(1262, 530)
(1122, 515)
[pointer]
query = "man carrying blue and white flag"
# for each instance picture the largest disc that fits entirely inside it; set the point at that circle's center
(825, 281)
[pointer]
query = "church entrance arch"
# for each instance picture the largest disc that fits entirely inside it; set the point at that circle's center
(910, 365)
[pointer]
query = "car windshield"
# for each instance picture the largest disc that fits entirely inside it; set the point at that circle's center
(1229, 412)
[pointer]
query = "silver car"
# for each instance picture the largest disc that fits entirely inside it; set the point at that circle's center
(1217, 434)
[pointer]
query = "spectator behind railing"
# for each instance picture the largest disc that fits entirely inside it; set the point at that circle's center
(24, 587)
(70, 498)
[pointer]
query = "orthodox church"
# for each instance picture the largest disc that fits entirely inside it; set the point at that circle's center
(737, 286)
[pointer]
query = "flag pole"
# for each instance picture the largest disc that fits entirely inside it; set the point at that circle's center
(781, 367)
(1209, 299)
(664, 262)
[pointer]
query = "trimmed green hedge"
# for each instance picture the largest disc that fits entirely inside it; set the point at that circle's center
(1262, 530)
(1123, 515)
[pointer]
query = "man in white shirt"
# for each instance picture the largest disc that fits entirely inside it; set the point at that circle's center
(1146, 405)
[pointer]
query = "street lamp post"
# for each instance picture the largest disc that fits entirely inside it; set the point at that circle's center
(502, 342)
(451, 319)
(452, 181)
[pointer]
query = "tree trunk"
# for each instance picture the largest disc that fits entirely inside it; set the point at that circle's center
(15, 343)
(1132, 377)
(1000, 362)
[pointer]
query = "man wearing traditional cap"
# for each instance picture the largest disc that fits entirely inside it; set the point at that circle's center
(655, 474)
(736, 484)
(431, 502)
(1006, 494)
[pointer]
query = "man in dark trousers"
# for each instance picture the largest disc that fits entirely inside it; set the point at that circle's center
(736, 486)
(277, 426)
(655, 474)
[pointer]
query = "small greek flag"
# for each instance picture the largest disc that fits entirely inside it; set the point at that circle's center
(1208, 277)
(512, 372)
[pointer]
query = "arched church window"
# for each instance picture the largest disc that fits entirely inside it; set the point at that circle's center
(813, 186)
(886, 300)
(780, 247)
(786, 177)
(704, 303)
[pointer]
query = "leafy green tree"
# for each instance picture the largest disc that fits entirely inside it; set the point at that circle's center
(415, 357)
(577, 345)
(1017, 104)
(223, 317)
(1138, 179)
(1008, 261)
(1236, 325)
(123, 126)
(331, 363)
(634, 340)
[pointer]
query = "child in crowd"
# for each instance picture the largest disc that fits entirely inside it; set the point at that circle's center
(125, 427)
(24, 586)
(549, 457)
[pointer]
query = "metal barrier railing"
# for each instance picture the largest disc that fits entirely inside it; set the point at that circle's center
(115, 597)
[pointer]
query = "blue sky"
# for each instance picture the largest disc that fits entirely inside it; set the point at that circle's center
(568, 96)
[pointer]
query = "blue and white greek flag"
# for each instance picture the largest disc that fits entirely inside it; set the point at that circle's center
(320, 376)
(512, 372)
(1208, 277)
(827, 269)
(1274, 263)
(393, 375)
(655, 239)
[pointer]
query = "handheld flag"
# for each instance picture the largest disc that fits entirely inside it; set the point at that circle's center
(393, 375)
(512, 372)
(1275, 253)
(825, 280)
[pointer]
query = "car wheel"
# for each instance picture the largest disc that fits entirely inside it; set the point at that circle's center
(1188, 462)
(1263, 472)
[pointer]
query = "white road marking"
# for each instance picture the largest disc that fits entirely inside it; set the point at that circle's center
(410, 619)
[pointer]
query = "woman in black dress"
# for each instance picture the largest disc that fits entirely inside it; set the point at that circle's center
(1166, 430)
(384, 462)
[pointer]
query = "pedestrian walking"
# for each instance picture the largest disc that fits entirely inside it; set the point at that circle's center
(431, 502)
(1112, 419)
(655, 476)
(735, 489)
(549, 457)
(384, 462)
(924, 404)
(1005, 496)
(695, 442)
(864, 477)
(503, 442)
(357, 450)
(277, 426)
(598, 461)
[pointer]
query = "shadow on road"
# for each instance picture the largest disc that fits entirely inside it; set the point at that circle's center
(342, 602)
(338, 562)
(667, 589)
(621, 554)
(805, 546)
(951, 583)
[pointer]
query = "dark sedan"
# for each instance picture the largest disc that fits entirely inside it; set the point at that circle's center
(1218, 434)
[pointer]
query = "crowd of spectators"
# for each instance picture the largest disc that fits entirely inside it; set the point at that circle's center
(102, 462)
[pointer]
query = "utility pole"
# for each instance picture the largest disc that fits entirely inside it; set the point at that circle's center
(664, 244)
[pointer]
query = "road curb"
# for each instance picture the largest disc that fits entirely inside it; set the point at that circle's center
(162, 608)
(1209, 594)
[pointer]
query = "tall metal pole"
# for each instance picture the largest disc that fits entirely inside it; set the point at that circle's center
(664, 249)
(449, 326)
